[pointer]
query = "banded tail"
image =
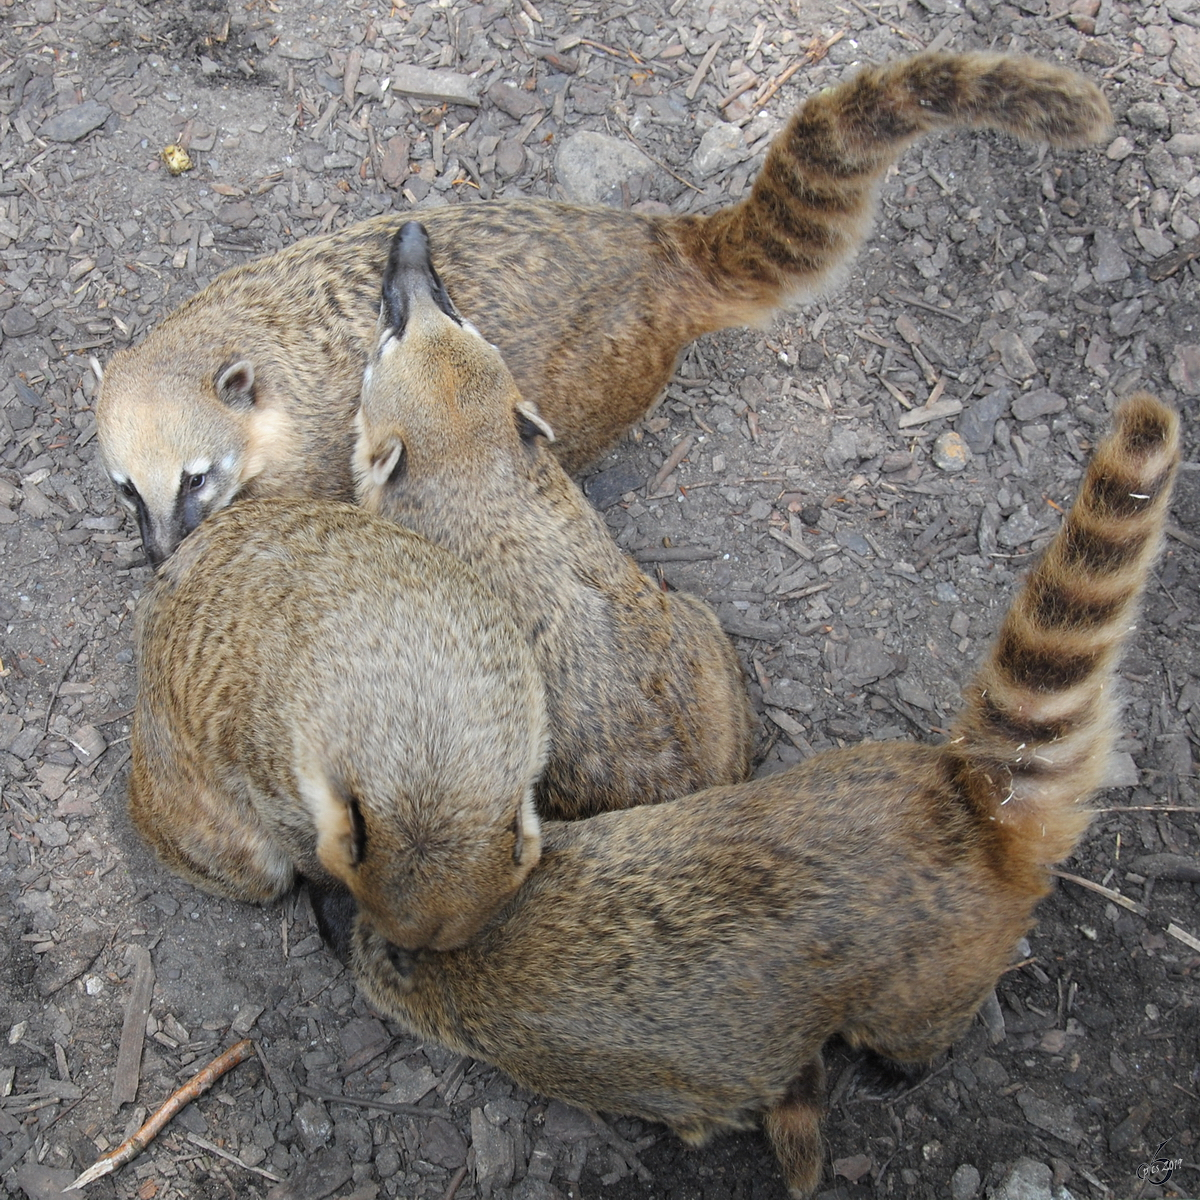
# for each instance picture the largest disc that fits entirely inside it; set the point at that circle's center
(1040, 715)
(812, 202)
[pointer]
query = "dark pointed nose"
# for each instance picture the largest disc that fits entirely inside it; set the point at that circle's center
(410, 277)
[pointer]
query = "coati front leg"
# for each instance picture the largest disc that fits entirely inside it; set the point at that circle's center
(793, 1127)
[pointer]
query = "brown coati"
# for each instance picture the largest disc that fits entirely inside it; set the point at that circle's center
(645, 699)
(251, 385)
(685, 962)
(322, 692)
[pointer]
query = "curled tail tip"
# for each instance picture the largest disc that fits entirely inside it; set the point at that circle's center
(1143, 426)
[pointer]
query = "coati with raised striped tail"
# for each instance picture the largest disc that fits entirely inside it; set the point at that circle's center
(645, 698)
(323, 693)
(685, 962)
(250, 386)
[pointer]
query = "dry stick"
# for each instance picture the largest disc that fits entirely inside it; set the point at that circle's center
(133, 1032)
(778, 82)
(195, 1087)
(658, 162)
(455, 1182)
(61, 680)
(204, 1144)
(22, 1145)
(402, 1110)
(1101, 890)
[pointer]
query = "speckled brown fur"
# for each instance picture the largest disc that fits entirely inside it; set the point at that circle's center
(251, 384)
(323, 692)
(686, 962)
(644, 694)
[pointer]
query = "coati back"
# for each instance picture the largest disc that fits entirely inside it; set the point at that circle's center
(250, 386)
(645, 697)
(321, 692)
(696, 955)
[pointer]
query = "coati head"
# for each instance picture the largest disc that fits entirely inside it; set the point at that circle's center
(171, 474)
(434, 381)
(427, 874)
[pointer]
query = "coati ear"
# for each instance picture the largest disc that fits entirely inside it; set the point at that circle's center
(235, 384)
(389, 463)
(531, 425)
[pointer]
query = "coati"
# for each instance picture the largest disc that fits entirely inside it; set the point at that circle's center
(251, 385)
(322, 692)
(685, 962)
(645, 699)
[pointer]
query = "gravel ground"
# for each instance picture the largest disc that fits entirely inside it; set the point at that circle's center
(859, 542)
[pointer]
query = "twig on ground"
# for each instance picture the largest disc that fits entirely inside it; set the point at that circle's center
(403, 1110)
(1101, 890)
(199, 1083)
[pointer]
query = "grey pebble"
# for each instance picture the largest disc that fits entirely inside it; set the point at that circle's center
(495, 1160)
(592, 166)
(299, 49)
(442, 1144)
(567, 1124)
(1145, 114)
(1111, 262)
(1056, 1119)
(1185, 62)
(720, 148)
(1018, 529)
(17, 322)
(1028, 1180)
(964, 1183)
(314, 1125)
(1014, 355)
(977, 424)
(75, 122)
(866, 662)
(1184, 371)
(1039, 403)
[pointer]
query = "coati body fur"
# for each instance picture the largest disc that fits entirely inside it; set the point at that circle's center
(685, 962)
(644, 694)
(250, 386)
(324, 693)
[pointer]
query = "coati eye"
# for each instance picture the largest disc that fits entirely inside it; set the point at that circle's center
(196, 482)
(128, 491)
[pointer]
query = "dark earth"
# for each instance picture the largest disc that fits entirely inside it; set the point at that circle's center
(858, 543)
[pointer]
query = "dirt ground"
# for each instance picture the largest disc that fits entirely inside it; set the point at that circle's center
(861, 579)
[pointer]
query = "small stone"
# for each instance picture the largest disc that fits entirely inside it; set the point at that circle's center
(1121, 771)
(1111, 263)
(1145, 114)
(964, 1183)
(1014, 356)
(18, 321)
(866, 662)
(592, 166)
(721, 147)
(1184, 371)
(1125, 1136)
(607, 487)
(41, 1183)
(408, 1086)
(1020, 528)
(75, 122)
(88, 743)
(1038, 403)
(321, 1176)
(299, 49)
(1153, 242)
(853, 1167)
(314, 1125)
(1101, 53)
(395, 161)
(515, 101)
(1185, 62)
(1055, 1119)
(977, 425)
(45, 11)
(1184, 144)
(567, 1124)
(1028, 1180)
(494, 1157)
(1120, 149)
(443, 1145)
(237, 214)
(951, 452)
(434, 85)
(510, 157)
(51, 833)
(912, 693)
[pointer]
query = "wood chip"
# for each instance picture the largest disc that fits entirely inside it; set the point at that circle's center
(930, 412)
(133, 1032)
(702, 70)
(1183, 936)
(673, 460)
